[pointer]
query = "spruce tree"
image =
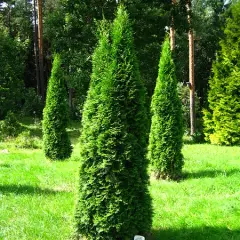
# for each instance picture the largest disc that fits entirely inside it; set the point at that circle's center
(165, 139)
(222, 119)
(114, 202)
(57, 145)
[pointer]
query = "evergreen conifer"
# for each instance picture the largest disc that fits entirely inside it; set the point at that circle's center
(114, 202)
(165, 139)
(222, 120)
(57, 145)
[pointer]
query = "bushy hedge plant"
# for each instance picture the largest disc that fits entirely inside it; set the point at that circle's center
(114, 202)
(56, 143)
(165, 140)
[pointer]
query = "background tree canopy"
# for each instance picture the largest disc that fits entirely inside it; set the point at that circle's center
(69, 28)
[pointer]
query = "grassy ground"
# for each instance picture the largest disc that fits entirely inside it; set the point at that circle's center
(206, 204)
(37, 196)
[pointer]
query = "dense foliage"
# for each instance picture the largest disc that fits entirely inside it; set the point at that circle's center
(222, 120)
(165, 140)
(9, 127)
(11, 73)
(33, 105)
(207, 19)
(57, 145)
(74, 25)
(114, 202)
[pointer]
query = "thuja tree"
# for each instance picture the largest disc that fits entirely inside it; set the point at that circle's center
(165, 140)
(114, 202)
(222, 120)
(57, 145)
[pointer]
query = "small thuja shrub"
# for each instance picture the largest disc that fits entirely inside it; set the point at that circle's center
(56, 143)
(165, 139)
(10, 127)
(25, 140)
(222, 118)
(114, 202)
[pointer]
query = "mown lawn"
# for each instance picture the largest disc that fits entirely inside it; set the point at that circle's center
(206, 204)
(37, 196)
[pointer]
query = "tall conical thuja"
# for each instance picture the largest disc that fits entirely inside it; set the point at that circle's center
(222, 119)
(114, 202)
(57, 145)
(165, 140)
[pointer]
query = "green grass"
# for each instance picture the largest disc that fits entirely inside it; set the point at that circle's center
(206, 204)
(37, 196)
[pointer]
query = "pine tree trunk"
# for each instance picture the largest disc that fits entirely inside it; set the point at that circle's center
(172, 30)
(36, 47)
(191, 71)
(40, 48)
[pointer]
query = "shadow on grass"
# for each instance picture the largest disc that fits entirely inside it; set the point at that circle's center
(36, 132)
(201, 233)
(5, 165)
(28, 124)
(210, 174)
(26, 189)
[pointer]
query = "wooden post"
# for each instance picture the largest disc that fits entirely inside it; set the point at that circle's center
(191, 70)
(40, 48)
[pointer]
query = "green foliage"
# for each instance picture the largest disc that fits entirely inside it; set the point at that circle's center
(70, 27)
(222, 119)
(16, 53)
(16, 16)
(165, 140)
(207, 22)
(33, 104)
(114, 202)
(57, 145)
(10, 127)
(25, 140)
(11, 74)
(74, 37)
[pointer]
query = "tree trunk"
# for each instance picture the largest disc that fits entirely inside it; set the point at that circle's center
(40, 48)
(191, 71)
(36, 47)
(9, 19)
(172, 30)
